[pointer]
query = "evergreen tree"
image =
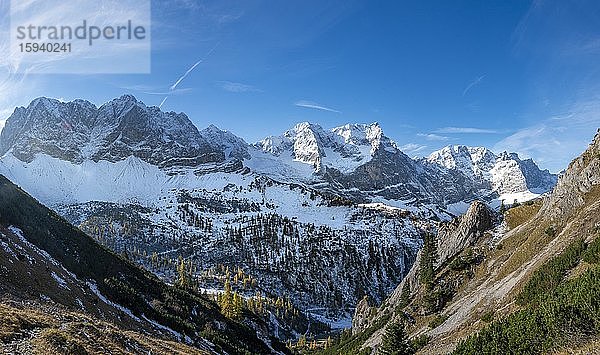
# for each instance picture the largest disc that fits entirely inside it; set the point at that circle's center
(428, 259)
(238, 304)
(184, 277)
(226, 301)
(395, 341)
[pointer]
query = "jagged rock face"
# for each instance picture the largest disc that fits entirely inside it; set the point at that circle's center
(343, 148)
(504, 173)
(393, 175)
(362, 163)
(582, 175)
(233, 147)
(362, 313)
(46, 126)
(77, 130)
(464, 231)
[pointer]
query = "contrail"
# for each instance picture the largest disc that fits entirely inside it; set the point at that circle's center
(163, 101)
(174, 86)
(473, 83)
(184, 75)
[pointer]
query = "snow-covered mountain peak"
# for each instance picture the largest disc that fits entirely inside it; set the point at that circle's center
(463, 157)
(232, 146)
(343, 148)
(305, 126)
(78, 130)
(359, 134)
(505, 173)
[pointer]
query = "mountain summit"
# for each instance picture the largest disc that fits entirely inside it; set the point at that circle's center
(504, 173)
(343, 148)
(78, 130)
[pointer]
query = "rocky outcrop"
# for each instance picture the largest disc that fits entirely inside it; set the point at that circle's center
(464, 231)
(363, 312)
(453, 237)
(582, 175)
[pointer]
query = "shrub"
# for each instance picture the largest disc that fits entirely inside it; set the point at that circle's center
(437, 321)
(488, 316)
(592, 253)
(548, 276)
(419, 342)
(550, 231)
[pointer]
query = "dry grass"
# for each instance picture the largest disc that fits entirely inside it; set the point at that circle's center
(519, 215)
(56, 331)
(592, 347)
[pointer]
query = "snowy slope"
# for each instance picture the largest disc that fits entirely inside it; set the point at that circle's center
(505, 173)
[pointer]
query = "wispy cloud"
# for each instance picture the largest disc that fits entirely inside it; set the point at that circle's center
(116, 56)
(433, 137)
(555, 141)
(453, 130)
(185, 75)
(521, 28)
(472, 84)
(237, 87)
(412, 148)
(168, 92)
(316, 106)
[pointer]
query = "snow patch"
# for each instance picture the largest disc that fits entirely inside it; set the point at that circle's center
(61, 282)
(94, 289)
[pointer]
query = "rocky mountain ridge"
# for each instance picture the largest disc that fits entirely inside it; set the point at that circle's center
(357, 161)
(504, 173)
(78, 130)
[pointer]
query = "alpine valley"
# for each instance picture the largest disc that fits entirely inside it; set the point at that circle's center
(148, 224)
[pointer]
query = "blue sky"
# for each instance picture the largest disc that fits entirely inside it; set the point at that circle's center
(510, 75)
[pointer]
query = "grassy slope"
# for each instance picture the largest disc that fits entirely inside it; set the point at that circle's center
(39, 329)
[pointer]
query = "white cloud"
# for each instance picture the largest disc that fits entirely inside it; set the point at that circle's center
(433, 137)
(412, 148)
(465, 130)
(314, 105)
(2, 122)
(554, 142)
(237, 87)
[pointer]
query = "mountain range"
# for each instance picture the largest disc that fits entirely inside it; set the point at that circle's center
(356, 161)
(320, 217)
